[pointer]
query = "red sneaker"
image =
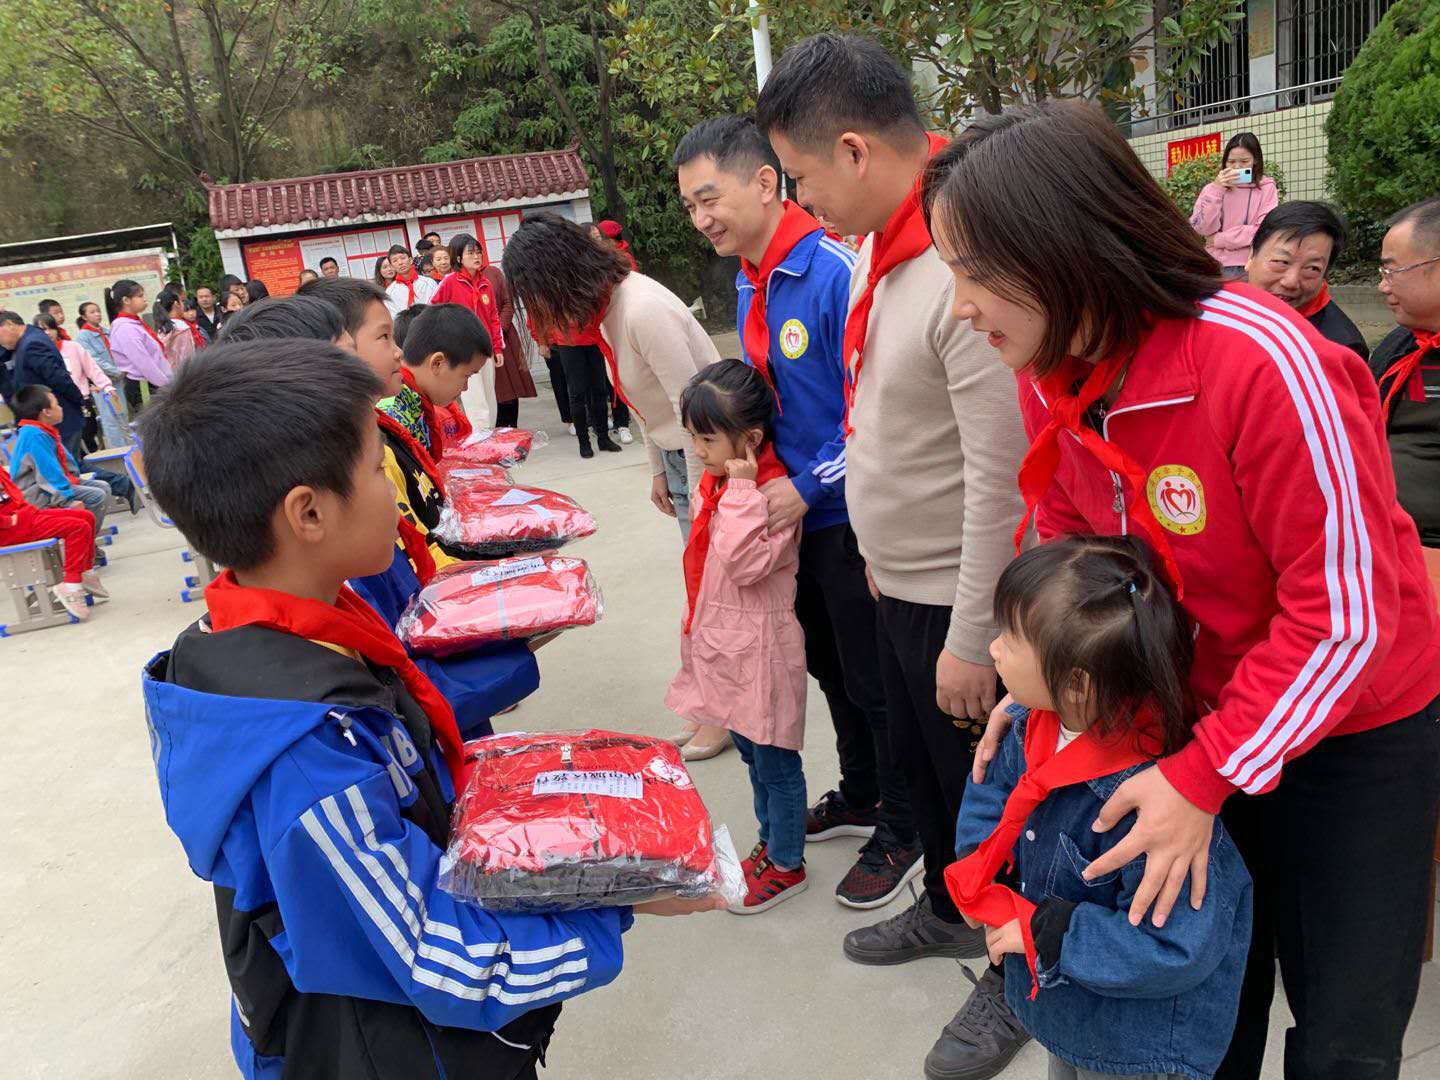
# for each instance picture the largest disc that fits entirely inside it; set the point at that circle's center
(747, 864)
(766, 884)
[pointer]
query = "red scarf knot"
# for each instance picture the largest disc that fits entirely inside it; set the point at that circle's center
(795, 225)
(1316, 303)
(1406, 372)
(408, 280)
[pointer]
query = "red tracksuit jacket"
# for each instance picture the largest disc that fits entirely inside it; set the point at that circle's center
(1304, 576)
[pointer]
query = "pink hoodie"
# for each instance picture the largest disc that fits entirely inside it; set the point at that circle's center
(1228, 216)
(742, 665)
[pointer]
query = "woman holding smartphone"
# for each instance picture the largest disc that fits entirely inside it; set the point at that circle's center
(1231, 207)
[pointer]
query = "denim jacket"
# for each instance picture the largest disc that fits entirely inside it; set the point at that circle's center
(1114, 998)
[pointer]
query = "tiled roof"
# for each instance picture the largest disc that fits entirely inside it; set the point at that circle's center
(411, 189)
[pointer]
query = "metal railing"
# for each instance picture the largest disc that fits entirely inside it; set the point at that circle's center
(1260, 102)
(1317, 39)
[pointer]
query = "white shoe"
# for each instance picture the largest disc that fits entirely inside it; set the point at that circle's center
(624, 435)
(704, 751)
(72, 599)
(572, 428)
(685, 734)
(93, 585)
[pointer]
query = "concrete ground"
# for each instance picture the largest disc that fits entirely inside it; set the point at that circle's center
(111, 965)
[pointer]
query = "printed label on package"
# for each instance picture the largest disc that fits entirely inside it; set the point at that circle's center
(517, 497)
(617, 785)
(507, 570)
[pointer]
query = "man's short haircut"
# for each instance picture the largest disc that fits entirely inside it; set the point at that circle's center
(398, 249)
(231, 436)
(1302, 219)
(1424, 217)
(827, 84)
(424, 245)
(331, 260)
(11, 317)
(733, 141)
(452, 329)
(46, 305)
(283, 317)
(30, 401)
(351, 297)
(403, 321)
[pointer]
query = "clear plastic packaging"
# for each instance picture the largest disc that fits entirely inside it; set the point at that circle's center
(497, 446)
(559, 821)
(471, 604)
(458, 474)
(491, 522)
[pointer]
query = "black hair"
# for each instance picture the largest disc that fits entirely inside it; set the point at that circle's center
(733, 141)
(1424, 216)
(402, 323)
(256, 290)
(80, 311)
(452, 329)
(1096, 606)
(208, 288)
(167, 299)
(423, 246)
(380, 282)
(351, 297)
(175, 284)
(45, 322)
(330, 259)
(227, 282)
(1246, 140)
(220, 467)
(425, 262)
(432, 232)
(728, 398)
(1301, 219)
(827, 84)
(457, 245)
(47, 304)
(285, 317)
(29, 402)
(398, 249)
(11, 317)
(116, 294)
(561, 274)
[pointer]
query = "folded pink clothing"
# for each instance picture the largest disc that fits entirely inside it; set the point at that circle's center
(492, 522)
(497, 446)
(460, 474)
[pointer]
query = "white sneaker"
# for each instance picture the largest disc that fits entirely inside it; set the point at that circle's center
(624, 435)
(93, 585)
(72, 599)
(572, 428)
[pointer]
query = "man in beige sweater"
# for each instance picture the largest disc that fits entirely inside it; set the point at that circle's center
(934, 447)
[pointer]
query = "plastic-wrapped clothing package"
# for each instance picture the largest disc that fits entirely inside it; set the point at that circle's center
(495, 522)
(460, 474)
(559, 821)
(472, 604)
(497, 446)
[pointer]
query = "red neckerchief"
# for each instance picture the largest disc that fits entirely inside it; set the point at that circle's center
(349, 623)
(436, 275)
(462, 428)
(594, 335)
(702, 508)
(971, 881)
(422, 456)
(1317, 302)
(904, 237)
(95, 329)
(143, 325)
(59, 447)
(429, 412)
(195, 335)
(60, 333)
(1067, 413)
(409, 283)
(1406, 372)
(795, 225)
(417, 550)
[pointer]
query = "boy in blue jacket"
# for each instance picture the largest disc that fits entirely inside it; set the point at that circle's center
(793, 297)
(40, 464)
(308, 767)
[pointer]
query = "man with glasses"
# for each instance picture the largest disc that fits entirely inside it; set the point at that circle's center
(1407, 362)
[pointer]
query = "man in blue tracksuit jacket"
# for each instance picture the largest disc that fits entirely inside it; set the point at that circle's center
(794, 294)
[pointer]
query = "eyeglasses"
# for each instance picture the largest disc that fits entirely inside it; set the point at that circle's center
(1388, 273)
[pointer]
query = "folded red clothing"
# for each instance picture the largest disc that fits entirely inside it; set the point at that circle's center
(493, 522)
(459, 474)
(562, 820)
(497, 446)
(471, 604)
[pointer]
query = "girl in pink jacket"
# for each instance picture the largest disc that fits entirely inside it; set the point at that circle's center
(1231, 207)
(742, 653)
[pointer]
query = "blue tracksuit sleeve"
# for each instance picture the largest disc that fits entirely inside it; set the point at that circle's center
(983, 804)
(482, 683)
(47, 462)
(364, 916)
(823, 481)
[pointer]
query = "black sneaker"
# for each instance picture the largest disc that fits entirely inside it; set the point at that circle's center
(881, 872)
(915, 932)
(832, 816)
(982, 1038)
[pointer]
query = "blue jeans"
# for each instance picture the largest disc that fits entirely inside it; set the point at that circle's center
(778, 781)
(677, 479)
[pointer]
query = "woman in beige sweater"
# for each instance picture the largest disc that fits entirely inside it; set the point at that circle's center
(578, 292)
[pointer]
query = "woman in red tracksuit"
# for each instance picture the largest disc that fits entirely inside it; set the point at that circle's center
(467, 284)
(1241, 444)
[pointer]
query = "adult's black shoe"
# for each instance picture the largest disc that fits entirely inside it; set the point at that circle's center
(982, 1038)
(833, 817)
(915, 932)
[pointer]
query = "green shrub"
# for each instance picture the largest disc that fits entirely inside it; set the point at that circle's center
(1384, 128)
(1185, 181)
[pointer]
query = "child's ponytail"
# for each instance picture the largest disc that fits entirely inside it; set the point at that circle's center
(117, 294)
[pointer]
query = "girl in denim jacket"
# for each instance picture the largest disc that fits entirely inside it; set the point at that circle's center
(1096, 651)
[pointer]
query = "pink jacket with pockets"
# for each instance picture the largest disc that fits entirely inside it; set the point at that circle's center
(742, 665)
(1228, 218)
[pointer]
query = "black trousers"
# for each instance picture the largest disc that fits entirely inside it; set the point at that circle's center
(934, 750)
(1341, 853)
(558, 385)
(619, 411)
(507, 413)
(134, 396)
(589, 390)
(837, 613)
